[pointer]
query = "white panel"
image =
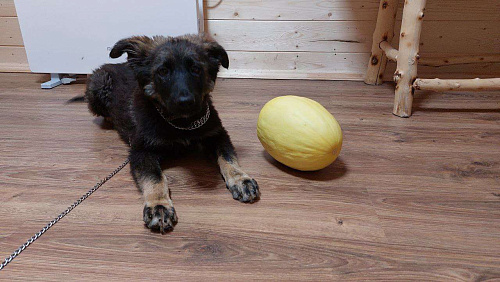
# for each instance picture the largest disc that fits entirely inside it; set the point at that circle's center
(71, 36)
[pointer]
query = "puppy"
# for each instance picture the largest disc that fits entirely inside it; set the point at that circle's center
(159, 102)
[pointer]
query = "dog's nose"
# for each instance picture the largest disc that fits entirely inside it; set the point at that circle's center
(186, 101)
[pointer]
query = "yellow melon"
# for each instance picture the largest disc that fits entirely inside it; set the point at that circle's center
(299, 132)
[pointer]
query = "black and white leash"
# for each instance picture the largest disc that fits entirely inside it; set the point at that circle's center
(61, 215)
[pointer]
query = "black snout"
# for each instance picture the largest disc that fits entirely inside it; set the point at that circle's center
(185, 101)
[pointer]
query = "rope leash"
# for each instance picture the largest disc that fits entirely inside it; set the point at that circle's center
(61, 215)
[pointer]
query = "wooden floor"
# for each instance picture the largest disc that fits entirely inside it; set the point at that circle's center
(408, 199)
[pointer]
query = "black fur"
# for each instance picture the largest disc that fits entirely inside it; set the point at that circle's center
(175, 75)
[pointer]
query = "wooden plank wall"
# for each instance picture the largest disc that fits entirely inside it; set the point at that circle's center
(12, 54)
(317, 39)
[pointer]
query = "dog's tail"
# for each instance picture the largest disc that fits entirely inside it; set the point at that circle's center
(98, 92)
(76, 99)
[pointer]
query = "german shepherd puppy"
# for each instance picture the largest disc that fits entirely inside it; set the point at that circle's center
(159, 102)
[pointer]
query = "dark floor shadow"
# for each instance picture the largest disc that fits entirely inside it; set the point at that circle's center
(420, 99)
(334, 171)
(205, 176)
(204, 173)
(424, 96)
(43, 78)
(80, 79)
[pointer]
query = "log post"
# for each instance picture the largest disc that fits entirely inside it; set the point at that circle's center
(384, 31)
(406, 70)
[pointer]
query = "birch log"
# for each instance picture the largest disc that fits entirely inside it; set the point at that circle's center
(390, 52)
(457, 84)
(384, 31)
(406, 70)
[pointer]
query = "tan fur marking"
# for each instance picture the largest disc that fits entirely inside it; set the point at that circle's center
(231, 171)
(156, 193)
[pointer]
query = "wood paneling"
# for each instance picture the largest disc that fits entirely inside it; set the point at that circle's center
(10, 33)
(326, 36)
(456, 71)
(350, 36)
(459, 10)
(345, 66)
(408, 199)
(13, 59)
(7, 8)
(342, 10)
(317, 39)
(285, 10)
(12, 54)
(295, 65)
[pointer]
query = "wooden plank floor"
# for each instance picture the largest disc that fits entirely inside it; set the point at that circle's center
(408, 199)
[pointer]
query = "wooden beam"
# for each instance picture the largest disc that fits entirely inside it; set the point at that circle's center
(390, 52)
(384, 31)
(406, 70)
(457, 84)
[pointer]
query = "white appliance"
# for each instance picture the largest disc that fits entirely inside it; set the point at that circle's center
(75, 36)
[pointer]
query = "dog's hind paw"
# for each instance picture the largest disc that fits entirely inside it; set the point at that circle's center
(245, 189)
(160, 218)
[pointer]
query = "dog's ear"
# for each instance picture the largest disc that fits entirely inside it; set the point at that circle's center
(216, 51)
(136, 47)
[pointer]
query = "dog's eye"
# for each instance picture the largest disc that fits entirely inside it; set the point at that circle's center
(196, 70)
(163, 71)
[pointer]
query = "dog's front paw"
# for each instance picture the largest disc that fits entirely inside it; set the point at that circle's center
(244, 189)
(160, 218)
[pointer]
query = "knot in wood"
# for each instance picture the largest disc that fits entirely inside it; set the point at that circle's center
(397, 76)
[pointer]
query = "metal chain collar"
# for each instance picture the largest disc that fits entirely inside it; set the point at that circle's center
(61, 215)
(194, 125)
